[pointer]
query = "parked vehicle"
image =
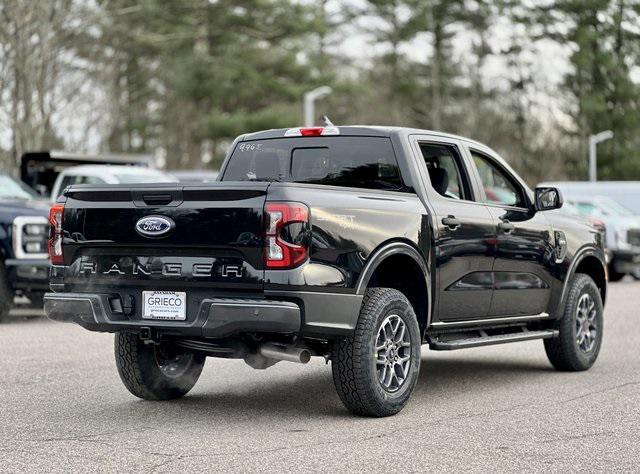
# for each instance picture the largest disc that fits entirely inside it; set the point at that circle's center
(623, 237)
(357, 244)
(24, 230)
(194, 176)
(39, 169)
(626, 193)
(597, 224)
(107, 174)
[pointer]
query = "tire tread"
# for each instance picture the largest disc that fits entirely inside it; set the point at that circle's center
(562, 351)
(349, 364)
(140, 375)
(126, 351)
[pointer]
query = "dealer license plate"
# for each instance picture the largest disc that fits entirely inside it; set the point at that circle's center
(168, 305)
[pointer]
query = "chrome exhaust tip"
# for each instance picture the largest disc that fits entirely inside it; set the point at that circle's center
(288, 353)
(269, 354)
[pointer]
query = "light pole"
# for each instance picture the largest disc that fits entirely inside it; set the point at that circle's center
(593, 154)
(310, 103)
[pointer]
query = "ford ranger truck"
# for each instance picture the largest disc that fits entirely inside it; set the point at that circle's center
(356, 244)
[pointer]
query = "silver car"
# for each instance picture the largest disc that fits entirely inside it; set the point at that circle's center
(623, 231)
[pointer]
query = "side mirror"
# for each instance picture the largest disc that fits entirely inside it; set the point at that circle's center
(548, 198)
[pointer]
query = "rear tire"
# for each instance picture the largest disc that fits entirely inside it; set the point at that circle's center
(6, 294)
(580, 339)
(376, 369)
(156, 372)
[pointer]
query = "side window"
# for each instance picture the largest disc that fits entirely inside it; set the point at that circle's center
(499, 188)
(445, 171)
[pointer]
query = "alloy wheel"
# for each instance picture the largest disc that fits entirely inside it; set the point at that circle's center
(393, 353)
(586, 323)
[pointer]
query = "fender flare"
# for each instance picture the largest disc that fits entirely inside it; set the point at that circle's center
(579, 257)
(386, 251)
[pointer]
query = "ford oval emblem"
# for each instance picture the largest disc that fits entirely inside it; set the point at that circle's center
(154, 226)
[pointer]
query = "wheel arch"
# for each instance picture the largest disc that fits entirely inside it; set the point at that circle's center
(414, 282)
(589, 262)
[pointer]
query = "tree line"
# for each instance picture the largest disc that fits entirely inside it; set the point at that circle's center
(180, 79)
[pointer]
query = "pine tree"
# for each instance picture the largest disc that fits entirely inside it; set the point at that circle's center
(204, 72)
(600, 84)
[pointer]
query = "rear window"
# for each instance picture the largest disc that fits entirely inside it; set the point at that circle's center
(360, 162)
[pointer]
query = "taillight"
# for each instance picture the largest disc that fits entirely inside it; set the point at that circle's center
(286, 239)
(55, 235)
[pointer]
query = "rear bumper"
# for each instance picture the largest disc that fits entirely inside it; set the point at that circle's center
(216, 317)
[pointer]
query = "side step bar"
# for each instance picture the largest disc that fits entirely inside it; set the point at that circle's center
(466, 340)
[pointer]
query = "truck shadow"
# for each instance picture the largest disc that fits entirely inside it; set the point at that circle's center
(313, 395)
(452, 369)
(444, 375)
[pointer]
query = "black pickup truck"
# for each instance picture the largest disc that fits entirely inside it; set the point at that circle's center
(357, 244)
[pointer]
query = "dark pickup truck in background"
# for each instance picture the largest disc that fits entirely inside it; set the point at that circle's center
(24, 224)
(40, 169)
(358, 244)
(24, 231)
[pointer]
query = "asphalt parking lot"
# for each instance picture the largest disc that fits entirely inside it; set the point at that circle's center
(62, 408)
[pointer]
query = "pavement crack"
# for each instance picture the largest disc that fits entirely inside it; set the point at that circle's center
(174, 458)
(95, 439)
(576, 437)
(88, 436)
(597, 392)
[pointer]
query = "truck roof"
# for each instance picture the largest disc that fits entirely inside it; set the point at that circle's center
(358, 130)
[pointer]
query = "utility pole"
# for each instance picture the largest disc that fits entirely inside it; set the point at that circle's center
(593, 152)
(309, 104)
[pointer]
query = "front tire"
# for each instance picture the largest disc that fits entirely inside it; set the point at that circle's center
(376, 369)
(578, 345)
(156, 371)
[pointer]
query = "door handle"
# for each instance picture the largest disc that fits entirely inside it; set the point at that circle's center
(451, 222)
(506, 226)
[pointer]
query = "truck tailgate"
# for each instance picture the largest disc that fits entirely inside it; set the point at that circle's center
(214, 237)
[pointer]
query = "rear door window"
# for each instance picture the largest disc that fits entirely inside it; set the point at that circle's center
(360, 162)
(446, 171)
